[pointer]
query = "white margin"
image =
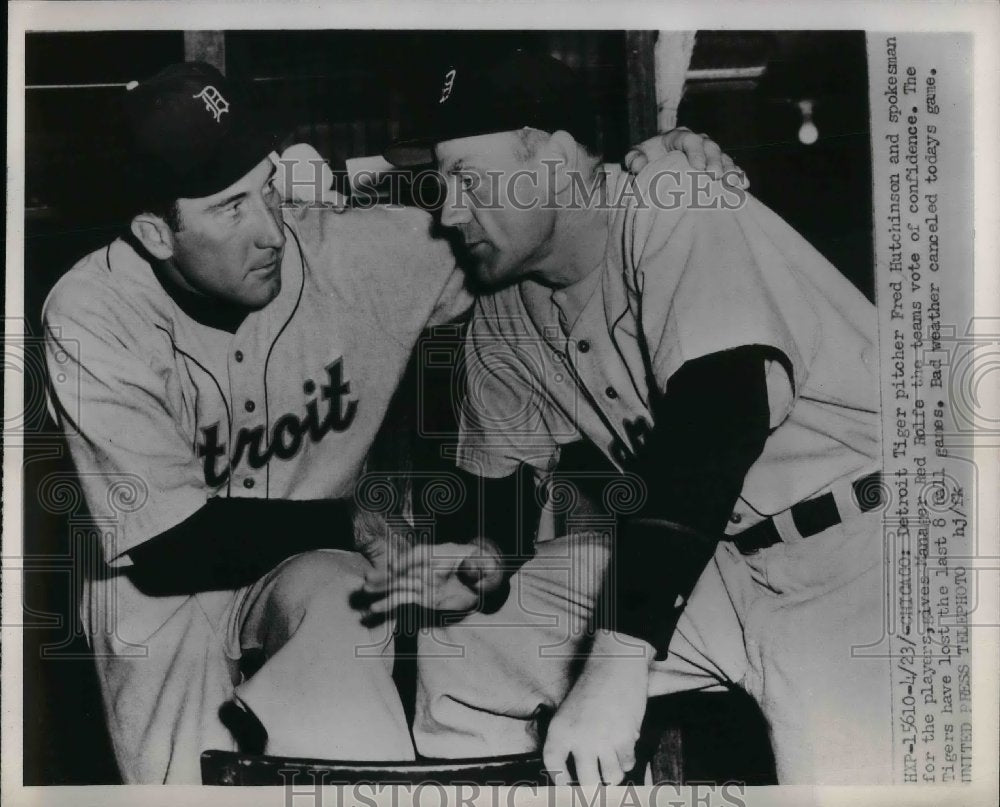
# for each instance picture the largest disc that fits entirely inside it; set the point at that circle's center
(978, 17)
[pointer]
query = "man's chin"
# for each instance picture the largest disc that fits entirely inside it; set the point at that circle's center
(489, 279)
(265, 295)
(275, 290)
(482, 271)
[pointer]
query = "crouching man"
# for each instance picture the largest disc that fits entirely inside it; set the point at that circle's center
(724, 370)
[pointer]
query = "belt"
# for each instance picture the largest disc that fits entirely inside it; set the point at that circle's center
(811, 516)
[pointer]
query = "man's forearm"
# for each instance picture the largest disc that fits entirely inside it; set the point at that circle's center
(503, 511)
(711, 425)
(230, 543)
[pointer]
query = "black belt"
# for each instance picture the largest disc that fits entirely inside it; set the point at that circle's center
(811, 516)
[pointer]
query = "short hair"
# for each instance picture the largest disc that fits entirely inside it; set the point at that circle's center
(171, 214)
(528, 140)
(167, 209)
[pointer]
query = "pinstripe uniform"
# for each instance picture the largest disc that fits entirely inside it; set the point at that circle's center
(179, 411)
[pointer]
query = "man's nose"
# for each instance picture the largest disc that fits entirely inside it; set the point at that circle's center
(270, 227)
(455, 210)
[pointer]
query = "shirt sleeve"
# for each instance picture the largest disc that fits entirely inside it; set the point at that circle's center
(135, 465)
(420, 284)
(502, 420)
(712, 280)
(387, 264)
(455, 300)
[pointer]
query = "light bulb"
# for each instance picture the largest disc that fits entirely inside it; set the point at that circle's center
(808, 133)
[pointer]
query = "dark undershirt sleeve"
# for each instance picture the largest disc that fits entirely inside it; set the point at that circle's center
(711, 425)
(229, 543)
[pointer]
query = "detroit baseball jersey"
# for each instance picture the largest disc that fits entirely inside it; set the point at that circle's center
(677, 284)
(169, 411)
(547, 368)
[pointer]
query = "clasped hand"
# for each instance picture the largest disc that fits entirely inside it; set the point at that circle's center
(441, 577)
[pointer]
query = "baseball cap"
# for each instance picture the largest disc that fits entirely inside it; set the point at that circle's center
(521, 89)
(191, 133)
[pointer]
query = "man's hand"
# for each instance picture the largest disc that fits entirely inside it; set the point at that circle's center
(443, 577)
(702, 152)
(598, 724)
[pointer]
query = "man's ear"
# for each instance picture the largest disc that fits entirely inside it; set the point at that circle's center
(562, 155)
(154, 234)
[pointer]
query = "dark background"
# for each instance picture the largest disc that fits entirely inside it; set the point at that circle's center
(349, 93)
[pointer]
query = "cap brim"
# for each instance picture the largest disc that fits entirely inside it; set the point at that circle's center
(235, 161)
(414, 153)
(437, 126)
(464, 120)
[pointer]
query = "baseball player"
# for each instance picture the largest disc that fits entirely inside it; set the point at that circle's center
(220, 372)
(726, 372)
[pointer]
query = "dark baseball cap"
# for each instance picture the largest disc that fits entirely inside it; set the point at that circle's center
(191, 133)
(520, 90)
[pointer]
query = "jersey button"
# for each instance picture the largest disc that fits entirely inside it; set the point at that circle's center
(249, 406)
(736, 518)
(238, 355)
(248, 483)
(584, 346)
(611, 392)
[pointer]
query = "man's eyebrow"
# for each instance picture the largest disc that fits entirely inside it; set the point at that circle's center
(458, 165)
(236, 197)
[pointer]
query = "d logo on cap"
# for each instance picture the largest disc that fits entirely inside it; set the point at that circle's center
(449, 83)
(214, 102)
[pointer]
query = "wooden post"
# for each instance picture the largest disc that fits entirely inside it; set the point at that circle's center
(640, 66)
(206, 46)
